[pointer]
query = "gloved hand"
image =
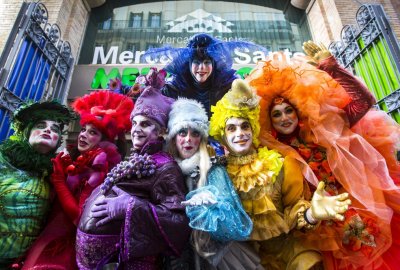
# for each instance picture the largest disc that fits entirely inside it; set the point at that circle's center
(58, 179)
(60, 163)
(202, 198)
(324, 207)
(108, 209)
(316, 52)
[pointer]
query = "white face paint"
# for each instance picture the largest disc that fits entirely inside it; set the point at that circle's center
(201, 69)
(44, 136)
(238, 136)
(143, 130)
(284, 118)
(88, 138)
(187, 142)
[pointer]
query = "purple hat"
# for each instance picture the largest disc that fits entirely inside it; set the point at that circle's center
(151, 103)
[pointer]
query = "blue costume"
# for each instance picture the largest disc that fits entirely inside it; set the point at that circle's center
(225, 220)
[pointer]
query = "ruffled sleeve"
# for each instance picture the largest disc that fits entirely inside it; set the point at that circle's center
(361, 98)
(226, 220)
(292, 194)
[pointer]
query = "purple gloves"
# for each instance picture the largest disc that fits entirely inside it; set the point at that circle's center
(109, 209)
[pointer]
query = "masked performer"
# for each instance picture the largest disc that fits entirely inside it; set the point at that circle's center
(136, 214)
(201, 71)
(104, 116)
(270, 187)
(310, 114)
(213, 207)
(25, 160)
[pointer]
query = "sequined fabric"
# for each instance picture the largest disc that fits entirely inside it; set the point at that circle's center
(91, 248)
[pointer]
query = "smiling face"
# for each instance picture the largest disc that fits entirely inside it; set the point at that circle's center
(143, 130)
(88, 138)
(201, 69)
(45, 136)
(187, 142)
(238, 136)
(284, 118)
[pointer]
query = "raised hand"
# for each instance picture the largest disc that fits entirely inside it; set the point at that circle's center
(202, 198)
(108, 209)
(324, 207)
(317, 52)
(61, 162)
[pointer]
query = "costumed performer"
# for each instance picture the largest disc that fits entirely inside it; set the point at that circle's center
(136, 214)
(201, 71)
(104, 115)
(25, 164)
(310, 114)
(270, 186)
(212, 205)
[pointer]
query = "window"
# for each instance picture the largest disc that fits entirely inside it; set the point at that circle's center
(135, 20)
(106, 25)
(152, 45)
(154, 20)
(133, 47)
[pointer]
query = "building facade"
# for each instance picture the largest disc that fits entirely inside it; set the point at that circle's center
(107, 38)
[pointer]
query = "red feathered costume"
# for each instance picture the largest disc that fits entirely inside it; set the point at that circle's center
(75, 178)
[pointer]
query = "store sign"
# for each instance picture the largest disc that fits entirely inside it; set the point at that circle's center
(114, 56)
(199, 21)
(92, 77)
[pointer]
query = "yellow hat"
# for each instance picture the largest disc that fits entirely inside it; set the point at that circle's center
(241, 102)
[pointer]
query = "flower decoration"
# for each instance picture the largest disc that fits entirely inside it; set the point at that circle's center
(359, 233)
(115, 85)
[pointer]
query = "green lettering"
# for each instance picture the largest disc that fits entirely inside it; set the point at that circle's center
(101, 79)
(244, 71)
(129, 76)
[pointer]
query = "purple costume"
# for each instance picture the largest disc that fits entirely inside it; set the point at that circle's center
(151, 220)
(155, 221)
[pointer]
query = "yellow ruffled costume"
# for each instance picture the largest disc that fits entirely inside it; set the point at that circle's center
(271, 198)
(270, 187)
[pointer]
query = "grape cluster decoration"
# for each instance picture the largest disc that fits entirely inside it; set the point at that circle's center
(137, 166)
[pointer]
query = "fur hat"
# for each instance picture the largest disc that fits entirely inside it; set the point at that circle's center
(242, 102)
(151, 103)
(106, 110)
(187, 113)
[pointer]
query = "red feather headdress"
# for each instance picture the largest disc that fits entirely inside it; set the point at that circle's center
(106, 110)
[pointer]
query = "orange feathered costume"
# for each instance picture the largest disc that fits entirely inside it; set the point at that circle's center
(357, 166)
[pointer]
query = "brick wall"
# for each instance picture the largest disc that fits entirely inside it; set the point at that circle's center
(70, 15)
(9, 11)
(327, 17)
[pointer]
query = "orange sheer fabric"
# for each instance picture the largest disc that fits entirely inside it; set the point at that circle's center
(359, 168)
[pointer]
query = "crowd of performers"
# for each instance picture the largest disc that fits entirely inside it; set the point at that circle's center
(290, 168)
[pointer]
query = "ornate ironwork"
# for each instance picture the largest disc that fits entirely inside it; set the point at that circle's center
(351, 51)
(9, 101)
(51, 51)
(66, 51)
(40, 13)
(369, 33)
(392, 101)
(348, 33)
(363, 16)
(62, 66)
(36, 33)
(357, 43)
(53, 33)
